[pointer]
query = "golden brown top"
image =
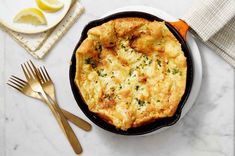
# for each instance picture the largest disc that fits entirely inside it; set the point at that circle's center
(131, 71)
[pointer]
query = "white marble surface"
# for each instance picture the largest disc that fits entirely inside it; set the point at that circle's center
(28, 128)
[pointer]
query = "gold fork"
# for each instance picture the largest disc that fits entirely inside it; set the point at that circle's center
(23, 87)
(31, 75)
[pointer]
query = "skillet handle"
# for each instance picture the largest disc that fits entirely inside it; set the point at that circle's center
(182, 27)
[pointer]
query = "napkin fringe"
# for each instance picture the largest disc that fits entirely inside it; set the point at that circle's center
(38, 45)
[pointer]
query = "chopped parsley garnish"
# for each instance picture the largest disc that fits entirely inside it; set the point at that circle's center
(146, 57)
(131, 71)
(98, 48)
(123, 46)
(120, 86)
(159, 63)
(175, 71)
(112, 89)
(91, 61)
(101, 73)
(140, 102)
(88, 60)
(158, 100)
(109, 61)
(168, 70)
(137, 87)
(108, 96)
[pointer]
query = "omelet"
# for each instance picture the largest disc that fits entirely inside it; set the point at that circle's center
(131, 72)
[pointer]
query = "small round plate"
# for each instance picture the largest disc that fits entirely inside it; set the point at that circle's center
(9, 8)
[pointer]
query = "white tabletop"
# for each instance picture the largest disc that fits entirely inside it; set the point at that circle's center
(29, 128)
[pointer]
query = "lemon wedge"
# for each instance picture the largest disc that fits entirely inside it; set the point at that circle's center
(30, 16)
(50, 5)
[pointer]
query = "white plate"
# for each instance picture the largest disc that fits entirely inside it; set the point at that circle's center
(192, 45)
(9, 8)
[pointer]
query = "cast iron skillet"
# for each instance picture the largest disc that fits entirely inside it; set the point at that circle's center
(145, 128)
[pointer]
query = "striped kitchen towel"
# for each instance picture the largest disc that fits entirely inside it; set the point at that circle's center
(213, 22)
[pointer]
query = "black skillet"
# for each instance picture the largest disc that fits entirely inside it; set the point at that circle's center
(158, 124)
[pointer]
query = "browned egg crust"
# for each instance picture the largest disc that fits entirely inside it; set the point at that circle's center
(131, 71)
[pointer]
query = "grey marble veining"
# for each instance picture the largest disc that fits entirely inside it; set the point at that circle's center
(28, 128)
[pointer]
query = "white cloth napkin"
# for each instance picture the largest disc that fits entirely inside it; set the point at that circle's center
(213, 21)
(38, 45)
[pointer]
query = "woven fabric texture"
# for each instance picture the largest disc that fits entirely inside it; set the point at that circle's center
(213, 22)
(38, 45)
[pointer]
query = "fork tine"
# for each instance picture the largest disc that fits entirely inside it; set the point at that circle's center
(22, 82)
(40, 75)
(46, 73)
(25, 73)
(12, 80)
(15, 83)
(34, 68)
(30, 70)
(14, 87)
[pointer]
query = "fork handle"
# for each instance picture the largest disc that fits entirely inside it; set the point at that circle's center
(77, 120)
(64, 123)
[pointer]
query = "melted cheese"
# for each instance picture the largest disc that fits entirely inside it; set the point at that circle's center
(131, 71)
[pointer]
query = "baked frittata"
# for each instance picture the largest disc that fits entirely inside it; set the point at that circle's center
(131, 71)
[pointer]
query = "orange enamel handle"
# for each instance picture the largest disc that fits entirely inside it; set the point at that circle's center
(181, 26)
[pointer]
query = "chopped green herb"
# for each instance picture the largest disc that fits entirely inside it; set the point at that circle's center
(140, 102)
(122, 46)
(137, 87)
(98, 48)
(120, 86)
(175, 71)
(101, 73)
(109, 61)
(158, 100)
(90, 61)
(146, 57)
(112, 89)
(131, 71)
(159, 63)
(108, 96)
(168, 70)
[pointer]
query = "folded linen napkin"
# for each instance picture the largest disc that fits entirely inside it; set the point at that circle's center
(213, 21)
(38, 45)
